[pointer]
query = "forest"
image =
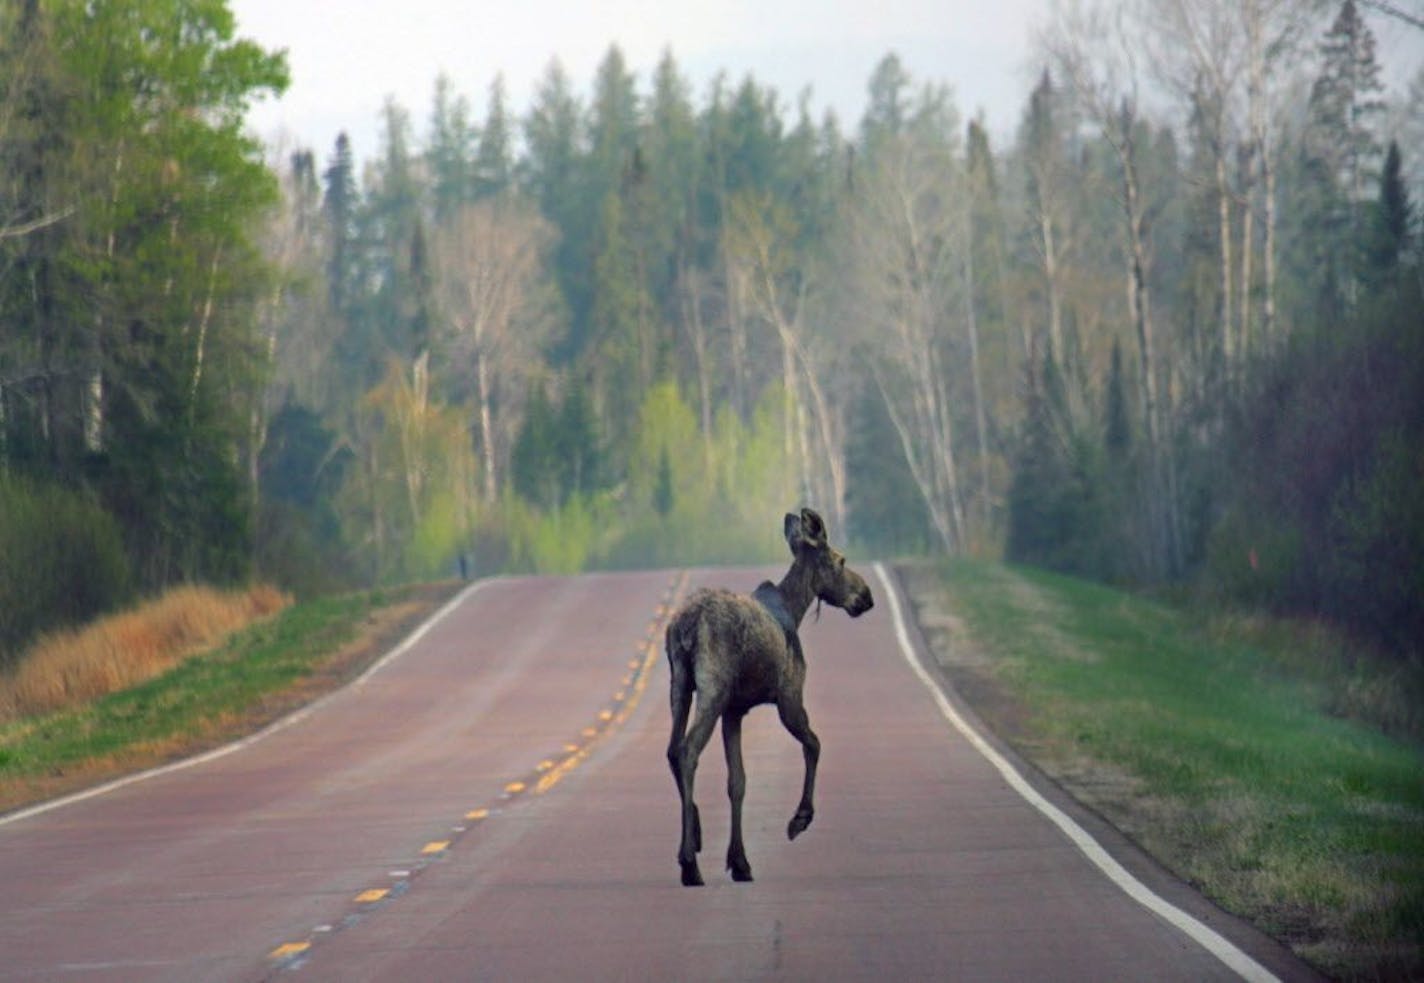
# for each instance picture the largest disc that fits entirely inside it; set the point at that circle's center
(1170, 333)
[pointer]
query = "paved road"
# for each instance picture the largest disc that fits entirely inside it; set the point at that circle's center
(493, 803)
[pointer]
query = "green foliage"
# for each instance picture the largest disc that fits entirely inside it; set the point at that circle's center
(1325, 490)
(407, 505)
(1058, 499)
(299, 537)
(663, 499)
(888, 515)
(61, 561)
(128, 321)
(1227, 745)
(562, 540)
(556, 456)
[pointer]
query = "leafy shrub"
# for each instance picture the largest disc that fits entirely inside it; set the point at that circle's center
(61, 561)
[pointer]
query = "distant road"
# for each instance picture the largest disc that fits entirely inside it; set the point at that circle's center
(493, 802)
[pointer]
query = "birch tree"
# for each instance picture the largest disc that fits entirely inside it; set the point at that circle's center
(1095, 51)
(1042, 147)
(486, 262)
(1092, 52)
(905, 242)
(761, 263)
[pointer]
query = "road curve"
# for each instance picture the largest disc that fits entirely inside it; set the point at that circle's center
(494, 803)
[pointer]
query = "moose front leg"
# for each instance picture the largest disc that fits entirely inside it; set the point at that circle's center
(793, 718)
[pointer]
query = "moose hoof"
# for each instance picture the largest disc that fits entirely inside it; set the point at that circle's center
(741, 871)
(798, 824)
(691, 876)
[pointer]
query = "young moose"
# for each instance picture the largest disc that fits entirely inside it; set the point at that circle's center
(738, 652)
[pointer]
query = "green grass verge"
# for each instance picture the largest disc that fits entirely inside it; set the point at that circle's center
(1220, 748)
(260, 673)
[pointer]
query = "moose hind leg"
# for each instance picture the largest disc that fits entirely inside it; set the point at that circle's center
(696, 740)
(794, 719)
(681, 700)
(736, 792)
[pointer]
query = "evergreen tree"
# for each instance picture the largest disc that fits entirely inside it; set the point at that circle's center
(579, 448)
(668, 145)
(1343, 152)
(621, 353)
(534, 460)
(449, 150)
(553, 176)
(887, 110)
(753, 135)
(1117, 422)
(398, 311)
(494, 164)
(1393, 221)
(341, 203)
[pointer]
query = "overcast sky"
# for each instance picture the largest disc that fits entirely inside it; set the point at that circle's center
(348, 56)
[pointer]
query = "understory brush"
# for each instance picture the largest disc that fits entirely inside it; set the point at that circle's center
(75, 666)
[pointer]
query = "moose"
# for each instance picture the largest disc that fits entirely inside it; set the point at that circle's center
(737, 652)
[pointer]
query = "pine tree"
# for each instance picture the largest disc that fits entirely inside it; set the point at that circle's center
(534, 460)
(340, 203)
(1393, 220)
(887, 109)
(392, 215)
(494, 164)
(449, 150)
(1343, 151)
(554, 176)
(1117, 422)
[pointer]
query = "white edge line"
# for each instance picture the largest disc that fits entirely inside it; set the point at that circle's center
(1207, 938)
(280, 724)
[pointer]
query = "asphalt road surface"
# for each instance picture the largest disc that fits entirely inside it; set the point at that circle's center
(492, 801)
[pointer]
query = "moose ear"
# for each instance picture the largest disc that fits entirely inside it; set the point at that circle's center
(791, 529)
(804, 531)
(812, 527)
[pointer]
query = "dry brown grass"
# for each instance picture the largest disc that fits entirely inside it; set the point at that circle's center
(75, 666)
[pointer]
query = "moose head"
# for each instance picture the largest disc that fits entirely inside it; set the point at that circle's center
(829, 577)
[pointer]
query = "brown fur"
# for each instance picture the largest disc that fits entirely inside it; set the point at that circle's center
(736, 652)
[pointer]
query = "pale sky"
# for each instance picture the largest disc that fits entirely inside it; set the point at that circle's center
(348, 56)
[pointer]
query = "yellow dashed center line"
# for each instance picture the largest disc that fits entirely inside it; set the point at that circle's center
(628, 701)
(551, 772)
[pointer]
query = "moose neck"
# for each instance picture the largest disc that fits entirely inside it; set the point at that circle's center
(795, 590)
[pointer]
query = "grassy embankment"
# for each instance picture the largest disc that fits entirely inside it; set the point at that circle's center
(187, 672)
(1270, 764)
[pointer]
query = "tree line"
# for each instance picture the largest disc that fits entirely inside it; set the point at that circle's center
(1168, 332)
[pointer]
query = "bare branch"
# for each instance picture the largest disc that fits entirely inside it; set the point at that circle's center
(25, 228)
